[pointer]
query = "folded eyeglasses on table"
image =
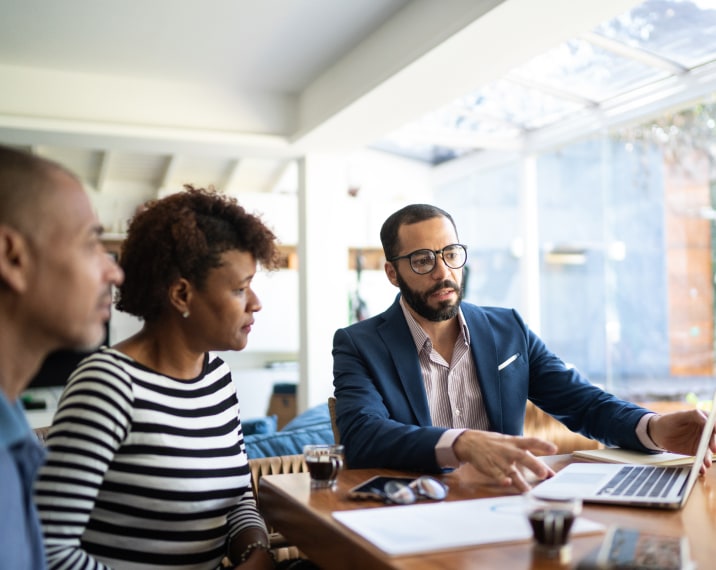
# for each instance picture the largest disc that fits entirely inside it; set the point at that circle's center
(400, 490)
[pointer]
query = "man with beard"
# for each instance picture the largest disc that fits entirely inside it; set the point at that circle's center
(435, 382)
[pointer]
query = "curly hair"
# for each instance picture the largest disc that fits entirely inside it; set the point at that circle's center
(184, 235)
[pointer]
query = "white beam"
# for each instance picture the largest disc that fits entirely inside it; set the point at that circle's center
(321, 238)
(557, 92)
(231, 175)
(635, 53)
(272, 184)
(102, 170)
(170, 167)
(139, 138)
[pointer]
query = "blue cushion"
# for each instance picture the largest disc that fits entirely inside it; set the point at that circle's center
(312, 426)
(254, 426)
(286, 442)
(318, 415)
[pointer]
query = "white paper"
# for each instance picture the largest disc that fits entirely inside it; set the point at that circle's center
(412, 529)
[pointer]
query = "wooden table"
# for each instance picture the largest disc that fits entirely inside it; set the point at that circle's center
(304, 518)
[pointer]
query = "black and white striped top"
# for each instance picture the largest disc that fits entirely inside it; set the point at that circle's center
(143, 470)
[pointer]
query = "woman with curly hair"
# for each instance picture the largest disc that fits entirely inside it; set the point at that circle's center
(146, 465)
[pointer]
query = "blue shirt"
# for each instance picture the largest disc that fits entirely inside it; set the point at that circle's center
(21, 455)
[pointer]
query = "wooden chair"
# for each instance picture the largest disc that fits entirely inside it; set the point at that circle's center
(41, 434)
(261, 466)
(334, 425)
(540, 424)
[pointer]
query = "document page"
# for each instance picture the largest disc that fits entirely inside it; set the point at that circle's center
(424, 527)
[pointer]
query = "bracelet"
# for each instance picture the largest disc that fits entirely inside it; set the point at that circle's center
(258, 545)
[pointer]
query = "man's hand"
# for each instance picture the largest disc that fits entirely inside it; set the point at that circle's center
(502, 458)
(680, 432)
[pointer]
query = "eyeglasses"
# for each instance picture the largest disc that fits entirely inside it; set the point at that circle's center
(408, 493)
(423, 261)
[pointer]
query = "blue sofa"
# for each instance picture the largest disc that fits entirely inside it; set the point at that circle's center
(262, 439)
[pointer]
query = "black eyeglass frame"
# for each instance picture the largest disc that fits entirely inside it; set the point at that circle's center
(435, 253)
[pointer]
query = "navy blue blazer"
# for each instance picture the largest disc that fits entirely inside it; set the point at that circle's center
(382, 409)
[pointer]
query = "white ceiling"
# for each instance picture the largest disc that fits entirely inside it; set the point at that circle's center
(228, 92)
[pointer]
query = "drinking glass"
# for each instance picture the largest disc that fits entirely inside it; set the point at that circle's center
(324, 462)
(551, 520)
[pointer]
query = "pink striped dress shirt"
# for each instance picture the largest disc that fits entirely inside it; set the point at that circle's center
(454, 395)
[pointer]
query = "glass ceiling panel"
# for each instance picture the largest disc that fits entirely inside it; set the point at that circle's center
(497, 117)
(683, 31)
(515, 104)
(469, 115)
(578, 67)
(432, 154)
(655, 41)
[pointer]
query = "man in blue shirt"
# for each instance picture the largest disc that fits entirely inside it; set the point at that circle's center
(55, 292)
(20, 458)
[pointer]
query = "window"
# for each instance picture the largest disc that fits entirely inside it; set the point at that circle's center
(586, 204)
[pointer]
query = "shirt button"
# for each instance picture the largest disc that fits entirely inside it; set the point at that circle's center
(457, 412)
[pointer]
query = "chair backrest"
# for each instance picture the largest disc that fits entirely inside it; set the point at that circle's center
(281, 548)
(275, 466)
(334, 425)
(542, 425)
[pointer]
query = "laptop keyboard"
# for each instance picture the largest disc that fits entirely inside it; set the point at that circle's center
(641, 481)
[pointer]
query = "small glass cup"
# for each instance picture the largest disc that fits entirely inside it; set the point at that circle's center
(551, 520)
(324, 462)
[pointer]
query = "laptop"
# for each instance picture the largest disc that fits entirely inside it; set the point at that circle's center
(630, 484)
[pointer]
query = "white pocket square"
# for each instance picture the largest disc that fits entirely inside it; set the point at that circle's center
(507, 362)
